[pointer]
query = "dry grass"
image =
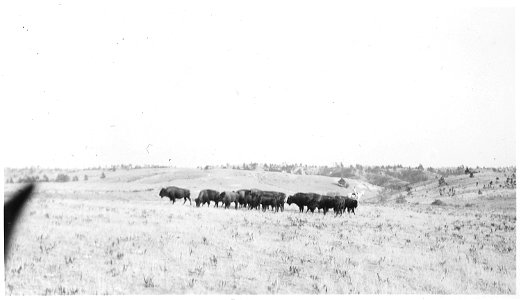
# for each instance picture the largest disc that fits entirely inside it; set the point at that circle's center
(119, 237)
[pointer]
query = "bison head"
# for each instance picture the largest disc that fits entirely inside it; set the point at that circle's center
(162, 193)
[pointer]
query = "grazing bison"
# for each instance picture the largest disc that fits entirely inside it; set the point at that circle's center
(173, 193)
(205, 196)
(305, 199)
(228, 197)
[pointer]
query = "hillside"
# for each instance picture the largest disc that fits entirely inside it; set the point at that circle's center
(466, 191)
(196, 180)
(117, 236)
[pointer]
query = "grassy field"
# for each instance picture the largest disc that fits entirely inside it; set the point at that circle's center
(117, 236)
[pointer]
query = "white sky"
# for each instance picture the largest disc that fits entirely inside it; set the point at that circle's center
(95, 83)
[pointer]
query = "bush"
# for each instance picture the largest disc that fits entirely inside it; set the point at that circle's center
(62, 178)
(28, 179)
(401, 199)
(85, 177)
(45, 178)
(438, 202)
(75, 178)
(412, 176)
(102, 175)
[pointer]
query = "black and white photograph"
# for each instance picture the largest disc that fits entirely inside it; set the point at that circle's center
(236, 148)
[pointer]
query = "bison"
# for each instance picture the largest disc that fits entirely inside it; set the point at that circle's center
(254, 199)
(326, 203)
(269, 198)
(244, 197)
(228, 197)
(340, 205)
(281, 197)
(305, 199)
(205, 196)
(174, 193)
(350, 205)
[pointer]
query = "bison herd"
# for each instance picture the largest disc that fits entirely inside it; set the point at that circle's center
(265, 200)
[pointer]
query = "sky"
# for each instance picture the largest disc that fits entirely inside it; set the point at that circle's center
(190, 83)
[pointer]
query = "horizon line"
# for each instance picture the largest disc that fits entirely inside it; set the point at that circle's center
(258, 163)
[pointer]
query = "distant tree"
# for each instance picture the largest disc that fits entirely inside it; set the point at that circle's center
(45, 178)
(28, 179)
(62, 178)
(102, 175)
(420, 167)
(85, 178)
(75, 178)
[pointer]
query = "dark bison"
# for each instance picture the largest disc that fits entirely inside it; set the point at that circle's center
(244, 197)
(254, 199)
(281, 197)
(326, 203)
(302, 200)
(228, 197)
(173, 193)
(340, 204)
(268, 199)
(350, 205)
(205, 196)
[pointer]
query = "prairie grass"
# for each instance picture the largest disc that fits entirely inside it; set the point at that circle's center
(87, 238)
